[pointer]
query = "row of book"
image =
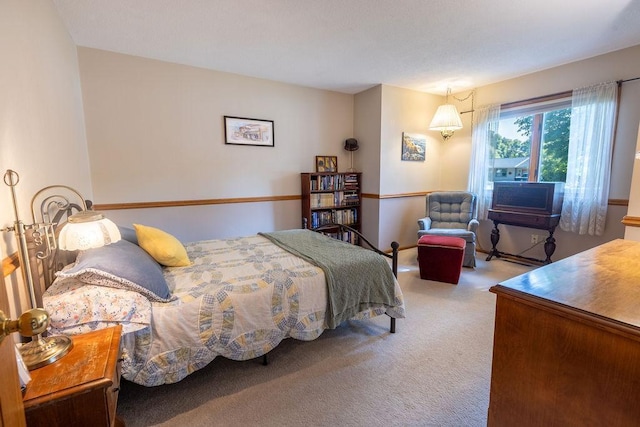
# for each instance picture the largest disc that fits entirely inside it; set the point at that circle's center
(328, 200)
(341, 216)
(334, 182)
(345, 236)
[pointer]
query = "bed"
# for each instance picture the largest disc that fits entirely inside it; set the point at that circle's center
(237, 297)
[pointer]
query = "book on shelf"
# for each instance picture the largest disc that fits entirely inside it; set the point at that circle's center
(334, 182)
(336, 199)
(332, 198)
(340, 216)
(322, 200)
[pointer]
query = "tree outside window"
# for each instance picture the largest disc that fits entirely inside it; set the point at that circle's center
(531, 147)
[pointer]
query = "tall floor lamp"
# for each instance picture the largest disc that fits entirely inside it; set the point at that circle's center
(84, 230)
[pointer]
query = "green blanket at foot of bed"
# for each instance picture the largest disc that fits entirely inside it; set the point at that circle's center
(357, 278)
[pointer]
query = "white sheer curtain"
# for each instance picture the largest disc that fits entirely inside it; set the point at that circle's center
(486, 126)
(586, 192)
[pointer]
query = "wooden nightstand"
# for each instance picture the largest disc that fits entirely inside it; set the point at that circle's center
(80, 389)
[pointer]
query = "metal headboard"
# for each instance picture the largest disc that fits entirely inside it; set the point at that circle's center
(51, 205)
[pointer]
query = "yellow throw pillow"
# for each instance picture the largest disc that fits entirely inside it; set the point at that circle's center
(162, 246)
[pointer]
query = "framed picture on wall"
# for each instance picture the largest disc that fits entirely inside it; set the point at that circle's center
(413, 147)
(244, 131)
(326, 164)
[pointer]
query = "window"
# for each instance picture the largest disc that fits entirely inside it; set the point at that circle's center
(532, 142)
(587, 117)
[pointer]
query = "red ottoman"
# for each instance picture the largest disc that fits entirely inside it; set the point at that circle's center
(440, 258)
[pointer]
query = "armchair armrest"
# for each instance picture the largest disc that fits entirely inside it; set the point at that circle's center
(424, 223)
(473, 225)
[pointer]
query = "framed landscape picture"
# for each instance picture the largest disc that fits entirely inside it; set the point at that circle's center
(413, 146)
(244, 131)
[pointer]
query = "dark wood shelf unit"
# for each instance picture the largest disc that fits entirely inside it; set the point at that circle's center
(332, 198)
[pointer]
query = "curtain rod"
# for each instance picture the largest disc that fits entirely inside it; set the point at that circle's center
(627, 80)
(537, 99)
(551, 97)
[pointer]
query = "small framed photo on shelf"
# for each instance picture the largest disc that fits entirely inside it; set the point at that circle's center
(326, 164)
(243, 131)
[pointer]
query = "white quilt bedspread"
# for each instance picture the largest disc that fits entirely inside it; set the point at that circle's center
(239, 299)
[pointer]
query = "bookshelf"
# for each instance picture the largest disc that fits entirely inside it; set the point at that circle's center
(332, 198)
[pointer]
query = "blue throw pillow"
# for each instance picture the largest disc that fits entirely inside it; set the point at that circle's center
(128, 234)
(121, 265)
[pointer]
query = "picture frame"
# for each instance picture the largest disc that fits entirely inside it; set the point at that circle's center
(414, 146)
(246, 131)
(326, 163)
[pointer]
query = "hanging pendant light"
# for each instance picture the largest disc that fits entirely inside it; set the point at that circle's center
(447, 119)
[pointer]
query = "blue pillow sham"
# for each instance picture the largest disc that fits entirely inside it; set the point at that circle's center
(128, 234)
(121, 265)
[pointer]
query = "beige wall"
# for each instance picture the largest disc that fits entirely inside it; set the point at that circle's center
(633, 233)
(382, 114)
(406, 111)
(367, 128)
(367, 125)
(155, 133)
(42, 133)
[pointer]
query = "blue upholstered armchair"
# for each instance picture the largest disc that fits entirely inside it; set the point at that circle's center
(452, 213)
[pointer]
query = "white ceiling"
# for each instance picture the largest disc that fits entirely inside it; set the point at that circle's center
(351, 45)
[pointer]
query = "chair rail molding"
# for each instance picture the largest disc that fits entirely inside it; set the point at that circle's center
(631, 221)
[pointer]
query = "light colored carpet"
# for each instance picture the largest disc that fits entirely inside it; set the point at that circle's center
(435, 371)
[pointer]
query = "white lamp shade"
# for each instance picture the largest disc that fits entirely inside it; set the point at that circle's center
(86, 230)
(446, 119)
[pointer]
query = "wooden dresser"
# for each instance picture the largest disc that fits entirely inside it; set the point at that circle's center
(567, 342)
(80, 389)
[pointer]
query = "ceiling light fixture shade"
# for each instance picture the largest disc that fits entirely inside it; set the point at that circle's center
(446, 120)
(87, 229)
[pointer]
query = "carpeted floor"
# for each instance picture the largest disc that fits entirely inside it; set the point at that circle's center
(435, 371)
